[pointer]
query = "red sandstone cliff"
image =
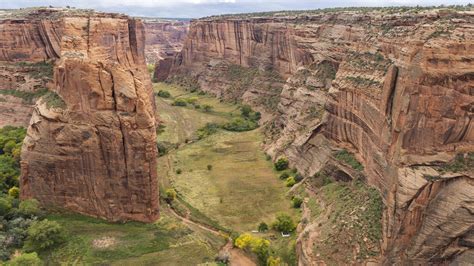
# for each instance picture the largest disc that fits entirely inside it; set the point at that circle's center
(395, 88)
(90, 146)
(164, 40)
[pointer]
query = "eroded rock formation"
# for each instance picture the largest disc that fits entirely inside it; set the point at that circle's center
(90, 145)
(163, 40)
(396, 88)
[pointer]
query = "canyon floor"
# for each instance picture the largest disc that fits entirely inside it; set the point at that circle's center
(225, 186)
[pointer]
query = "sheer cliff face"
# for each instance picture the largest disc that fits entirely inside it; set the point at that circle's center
(396, 89)
(91, 148)
(163, 39)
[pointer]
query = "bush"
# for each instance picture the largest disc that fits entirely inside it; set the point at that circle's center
(298, 178)
(53, 100)
(350, 159)
(150, 68)
(207, 108)
(290, 181)
(257, 245)
(5, 206)
(163, 94)
(262, 227)
(245, 110)
(239, 125)
(281, 164)
(179, 171)
(179, 102)
(207, 130)
(209, 167)
(284, 176)
(296, 202)
(43, 235)
(14, 192)
(284, 223)
(30, 207)
(170, 195)
(26, 259)
(271, 261)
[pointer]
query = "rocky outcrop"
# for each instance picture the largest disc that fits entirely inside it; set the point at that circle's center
(395, 88)
(164, 38)
(90, 145)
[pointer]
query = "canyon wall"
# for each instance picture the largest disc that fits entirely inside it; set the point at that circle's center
(163, 40)
(396, 88)
(90, 144)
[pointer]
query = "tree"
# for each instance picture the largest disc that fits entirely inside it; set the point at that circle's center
(281, 164)
(296, 202)
(30, 207)
(271, 261)
(245, 110)
(43, 235)
(290, 181)
(284, 223)
(170, 195)
(26, 259)
(163, 94)
(257, 245)
(5, 206)
(262, 227)
(14, 192)
(284, 176)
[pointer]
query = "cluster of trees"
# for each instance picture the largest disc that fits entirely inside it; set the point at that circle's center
(282, 164)
(248, 120)
(261, 246)
(193, 101)
(22, 223)
(24, 229)
(11, 139)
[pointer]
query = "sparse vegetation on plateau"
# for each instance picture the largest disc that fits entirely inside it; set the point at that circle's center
(348, 158)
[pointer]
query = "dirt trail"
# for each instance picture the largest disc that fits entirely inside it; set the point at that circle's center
(237, 256)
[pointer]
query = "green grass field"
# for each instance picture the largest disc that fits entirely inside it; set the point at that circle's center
(242, 189)
(166, 242)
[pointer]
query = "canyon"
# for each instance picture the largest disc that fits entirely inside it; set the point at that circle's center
(394, 88)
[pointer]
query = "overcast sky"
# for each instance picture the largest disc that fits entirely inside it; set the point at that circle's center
(201, 8)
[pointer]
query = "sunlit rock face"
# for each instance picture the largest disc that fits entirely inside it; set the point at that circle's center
(397, 89)
(90, 145)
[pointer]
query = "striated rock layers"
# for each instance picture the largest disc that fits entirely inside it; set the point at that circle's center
(163, 40)
(395, 88)
(90, 145)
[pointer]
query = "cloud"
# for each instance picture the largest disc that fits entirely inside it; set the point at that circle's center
(200, 8)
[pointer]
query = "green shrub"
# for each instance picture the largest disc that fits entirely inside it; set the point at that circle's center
(239, 125)
(26, 259)
(43, 235)
(298, 177)
(163, 94)
(207, 108)
(281, 164)
(30, 207)
(191, 100)
(284, 176)
(245, 110)
(209, 167)
(5, 206)
(284, 223)
(207, 130)
(349, 158)
(296, 202)
(53, 100)
(180, 102)
(14, 192)
(290, 181)
(170, 195)
(262, 227)
(257, 245)
(271, 261)
(179, 171)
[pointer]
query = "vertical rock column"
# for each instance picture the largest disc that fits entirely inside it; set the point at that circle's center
(91, 149)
